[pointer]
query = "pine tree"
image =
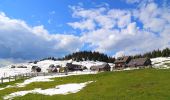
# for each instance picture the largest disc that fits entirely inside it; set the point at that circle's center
(89, 55)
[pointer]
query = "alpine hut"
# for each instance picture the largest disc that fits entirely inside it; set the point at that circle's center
(122, 62)
(103, 67)
(140, 62)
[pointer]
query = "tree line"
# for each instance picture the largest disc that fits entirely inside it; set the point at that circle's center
(155, 53)
(97, 56)
(89, 55)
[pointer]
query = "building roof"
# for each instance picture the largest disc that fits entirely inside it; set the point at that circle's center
(138, 61)
(73, 65)
(122, 59)
(100, 66)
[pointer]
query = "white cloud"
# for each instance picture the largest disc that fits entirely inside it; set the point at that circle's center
(105, 21)
(118, 30)
(133, 1)
(124, 20)
(152, 17)
(19, 40)
(119, 54)
(83, 13)
(140, 2)
(129, 31)
(83, 25)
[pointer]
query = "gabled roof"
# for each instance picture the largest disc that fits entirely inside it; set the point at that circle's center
(100, 66)
(72, 65)
(138, 61)
(122, 59)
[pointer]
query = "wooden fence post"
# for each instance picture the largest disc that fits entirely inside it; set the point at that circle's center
(9, 78)
(15, 77)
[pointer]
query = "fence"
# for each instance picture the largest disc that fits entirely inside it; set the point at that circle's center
(30, 75)
(22, 76)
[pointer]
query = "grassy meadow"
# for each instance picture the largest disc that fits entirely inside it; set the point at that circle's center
(143, 84)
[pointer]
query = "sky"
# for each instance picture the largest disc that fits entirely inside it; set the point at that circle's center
(34, 29)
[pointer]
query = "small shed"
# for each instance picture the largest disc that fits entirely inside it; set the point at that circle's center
(103, 67)
(74, 67)
(53, 68)
(12, 66)
(20, 66)
(35, 69)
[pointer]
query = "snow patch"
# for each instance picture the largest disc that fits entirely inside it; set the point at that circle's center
(49, 78)
(9, 86)
(46, 78)
(161, 62)
(60, 89)
(44, 65)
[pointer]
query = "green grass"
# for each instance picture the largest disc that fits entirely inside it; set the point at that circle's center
(143, 84)
(11, 83)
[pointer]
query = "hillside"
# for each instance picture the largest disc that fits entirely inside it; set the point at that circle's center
(158, 63)
(146, 84)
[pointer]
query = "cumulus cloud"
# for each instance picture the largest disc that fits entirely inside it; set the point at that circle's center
(112, 31)
(152, 17)
(19, 40)
(129, 31)
(84, 25)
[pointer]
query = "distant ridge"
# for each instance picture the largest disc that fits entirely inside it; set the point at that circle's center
(97, 56)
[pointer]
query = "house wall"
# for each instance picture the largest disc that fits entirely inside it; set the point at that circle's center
(120, 65)
(148, 62)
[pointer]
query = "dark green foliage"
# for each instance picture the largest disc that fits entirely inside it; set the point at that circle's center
(89, 55)
(96, 56)
(155, 53)
(166, 52)
(49, 58)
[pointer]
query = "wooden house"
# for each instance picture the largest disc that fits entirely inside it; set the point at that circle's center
(53, 68)
(103, 67)
(35, 69)
(139, 62)
(122, 62)
(74, 67)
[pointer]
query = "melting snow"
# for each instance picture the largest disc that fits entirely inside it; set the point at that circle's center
(60, 89)
(44, 65)
(49, 78)
(161, 62)
(9, 86)
(46, 78)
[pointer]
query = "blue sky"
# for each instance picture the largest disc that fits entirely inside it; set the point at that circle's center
(53, 14)
(33, 29)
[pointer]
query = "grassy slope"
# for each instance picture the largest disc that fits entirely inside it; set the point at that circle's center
(147, 84)
(11, 83)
